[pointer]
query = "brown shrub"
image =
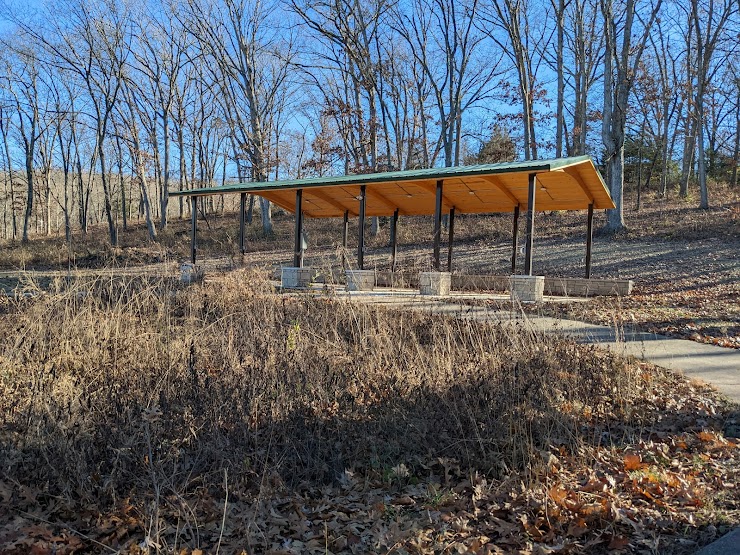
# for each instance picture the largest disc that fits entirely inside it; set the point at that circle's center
(118, 386)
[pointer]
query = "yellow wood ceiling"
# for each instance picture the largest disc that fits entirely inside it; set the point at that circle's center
(562, 184)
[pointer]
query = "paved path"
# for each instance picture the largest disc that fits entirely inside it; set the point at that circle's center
(729, 544)
(715, 365)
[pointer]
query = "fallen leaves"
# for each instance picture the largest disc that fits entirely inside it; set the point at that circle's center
(688, 307)
(619, 502)
(632, 461)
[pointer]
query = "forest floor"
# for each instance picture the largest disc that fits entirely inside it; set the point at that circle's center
(685, 262)
(141, 416)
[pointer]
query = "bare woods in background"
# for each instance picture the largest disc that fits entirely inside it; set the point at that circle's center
(106, 106)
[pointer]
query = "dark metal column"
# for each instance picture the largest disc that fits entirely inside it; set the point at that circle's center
(437, 225)
(298, 253)
(394, 240)
(589, 238)
(242, 216)
(450, 237)
(361, 233)
(530, 224)
(345, 228)
(193, 226)
(515, 240)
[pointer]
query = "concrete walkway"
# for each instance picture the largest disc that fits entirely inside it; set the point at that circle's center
(717, 366)
(729, 544)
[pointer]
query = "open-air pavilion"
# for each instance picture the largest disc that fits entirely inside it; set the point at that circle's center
(512, 187)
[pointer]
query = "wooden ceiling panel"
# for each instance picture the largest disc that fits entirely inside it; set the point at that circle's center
(562, 184)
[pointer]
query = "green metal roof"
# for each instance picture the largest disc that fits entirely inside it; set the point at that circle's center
(405, 175)
(563, 184)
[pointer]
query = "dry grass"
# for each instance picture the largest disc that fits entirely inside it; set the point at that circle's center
(108, 381)
(149, 417)
(146, 414)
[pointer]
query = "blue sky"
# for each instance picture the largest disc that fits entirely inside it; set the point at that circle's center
(16, 7)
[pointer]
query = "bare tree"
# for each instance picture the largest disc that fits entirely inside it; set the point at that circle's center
(9, 197)
(665, 63)
(584, 44)
(688, 112)
(524, 45)
(131, 117)
(161, 57)
(352, 26)
(62, 109)
(451, 54)
(709, 20)
(7, 110)
(625, 43)
(91, 40)
(253, 58)
(22, 75)
(559, 6)
(735, 75)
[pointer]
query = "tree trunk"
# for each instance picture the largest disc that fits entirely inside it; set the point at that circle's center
(183, 168)
(266, 215)
(620, 63)
(82, 199)
(47, 201)
(687, 163)
(67, 222)
(14, 220)
(639, 168)
(736, 150)
(664, 151)
(165, 198)
(150, 227)
(701, 166)
(615, 216)
(29, 196)
(112, 231)
(119, 153)
(560, 112)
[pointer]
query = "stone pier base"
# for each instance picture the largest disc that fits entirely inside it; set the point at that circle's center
(434, 283)
(292, 278)
(360, 280)
(527, 289)
(191, 273)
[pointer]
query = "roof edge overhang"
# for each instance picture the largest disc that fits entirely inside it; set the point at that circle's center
(528, 166)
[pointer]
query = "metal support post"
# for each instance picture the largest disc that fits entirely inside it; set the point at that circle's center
(589, 238)
(450, 237)
(515, 241)
(242, 217)
(437, 225)
(394, 240)
(345, 228)
(530, 224)
(361, 233)
(193, 226)
(298, 251)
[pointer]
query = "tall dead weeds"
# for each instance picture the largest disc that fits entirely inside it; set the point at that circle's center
(127, 386)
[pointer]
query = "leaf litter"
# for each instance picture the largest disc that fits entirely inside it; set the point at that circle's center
(643, 466)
